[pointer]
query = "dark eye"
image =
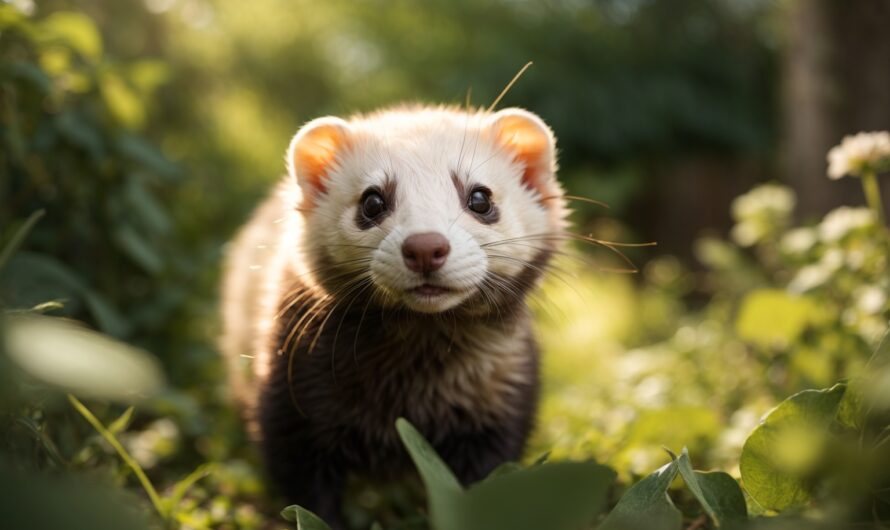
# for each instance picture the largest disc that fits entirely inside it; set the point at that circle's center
(372, 204)
(479, 201)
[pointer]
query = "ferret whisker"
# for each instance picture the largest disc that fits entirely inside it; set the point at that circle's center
(578, 198)
(365, 285)
(310, 291)
(542, 269)
(352, 287)
(348, 245)
(316, 311)
(358, 328)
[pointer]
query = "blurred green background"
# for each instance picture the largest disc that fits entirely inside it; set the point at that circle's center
(147, 130)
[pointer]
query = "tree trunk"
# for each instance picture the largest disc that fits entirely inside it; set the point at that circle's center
(836, 82)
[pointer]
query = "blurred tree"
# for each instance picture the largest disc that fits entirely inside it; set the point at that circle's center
(836, 71)
(640, 93)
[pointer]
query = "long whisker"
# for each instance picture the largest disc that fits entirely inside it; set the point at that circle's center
(509, 86)
(575, 198)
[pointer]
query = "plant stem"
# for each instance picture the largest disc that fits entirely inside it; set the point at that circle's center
(873, 195)
(17, 238)
(125, 456)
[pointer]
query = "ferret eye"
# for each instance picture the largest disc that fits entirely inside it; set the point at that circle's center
(479, 201)
(372, 204)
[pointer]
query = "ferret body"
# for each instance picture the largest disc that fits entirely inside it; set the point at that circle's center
(386, 277)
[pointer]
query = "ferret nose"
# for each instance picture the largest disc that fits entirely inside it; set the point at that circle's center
(426, 252)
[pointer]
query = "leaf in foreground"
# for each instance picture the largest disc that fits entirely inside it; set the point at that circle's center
(780, 459)
(559, 496)
(304, 519)
(646, 505)
(62, 353)
(718, 493)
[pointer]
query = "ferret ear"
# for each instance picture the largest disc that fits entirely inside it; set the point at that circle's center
(313, 152)
(531, 141)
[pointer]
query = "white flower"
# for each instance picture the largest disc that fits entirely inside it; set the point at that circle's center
(156, 442)
(859, 152)
(798, 241)
(841, 221)
(809, 277)
(871, 299)
(761, 212)
(768, 199)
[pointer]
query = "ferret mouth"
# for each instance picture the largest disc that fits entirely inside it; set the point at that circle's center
(429, 289)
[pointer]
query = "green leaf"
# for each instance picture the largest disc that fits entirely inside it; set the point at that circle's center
(182, 487)
(122, 101)
(555, 496)
(868, 393)
(74, 29)
(718, 493)
(561, 496)
(145, 154)
(541, 459)
(780, 459)
(442, 487)
(18, 238)
(138, 248)
(775, 318)
(33, 278)
(144, 208)
(304, 519)
(38, 501)
(646, 505)
(60, 353)
(503, 469)
(78, 129)
(122, 422)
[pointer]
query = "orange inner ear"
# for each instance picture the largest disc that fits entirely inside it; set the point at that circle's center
(530, 145)
(314, 153)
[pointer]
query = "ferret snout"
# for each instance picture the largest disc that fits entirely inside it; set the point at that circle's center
(426, 252)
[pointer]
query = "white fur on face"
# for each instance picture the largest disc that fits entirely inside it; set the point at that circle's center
(417, 152)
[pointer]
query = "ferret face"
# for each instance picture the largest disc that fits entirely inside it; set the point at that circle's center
(429, 209)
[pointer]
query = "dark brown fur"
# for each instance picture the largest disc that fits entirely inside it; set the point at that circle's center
(329, 410)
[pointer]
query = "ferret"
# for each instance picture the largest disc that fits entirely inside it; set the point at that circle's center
(387, 277)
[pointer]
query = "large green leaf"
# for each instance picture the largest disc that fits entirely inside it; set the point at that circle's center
(559, 496)
(780, 459)
(718, 493)
(35, 501)
(646, 505)
(443, 489)
(867, 398)
(63, 354)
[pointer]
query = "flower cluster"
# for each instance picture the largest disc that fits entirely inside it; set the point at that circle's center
(856, 154)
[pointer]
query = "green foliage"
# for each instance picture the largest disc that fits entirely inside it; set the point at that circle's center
(773, 317)
(304, 519)
(646, 504)
(146, 138)
(556, 496)
(718, 493)
(780, 457)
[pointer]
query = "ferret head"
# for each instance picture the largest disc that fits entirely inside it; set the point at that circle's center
(429, 209)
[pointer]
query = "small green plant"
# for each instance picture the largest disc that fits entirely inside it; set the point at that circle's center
(556, 496)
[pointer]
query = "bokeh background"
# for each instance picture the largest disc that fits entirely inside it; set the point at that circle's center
(147, 130)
